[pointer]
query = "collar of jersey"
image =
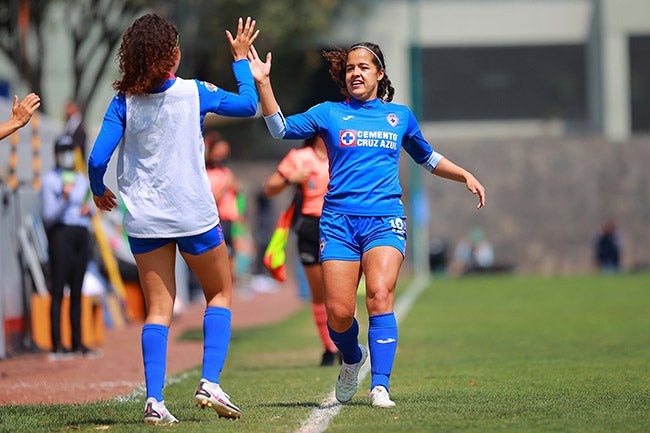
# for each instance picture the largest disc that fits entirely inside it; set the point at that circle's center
(166, 85)
(355, 103)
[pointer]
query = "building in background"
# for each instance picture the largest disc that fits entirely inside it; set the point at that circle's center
(515, 67)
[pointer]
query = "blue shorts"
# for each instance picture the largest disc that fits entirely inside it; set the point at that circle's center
(347, 237)
(194, 245)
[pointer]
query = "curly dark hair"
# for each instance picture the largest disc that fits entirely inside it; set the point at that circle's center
(338, 58)
(146, 55)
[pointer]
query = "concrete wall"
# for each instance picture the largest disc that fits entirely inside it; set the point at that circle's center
(547, 198)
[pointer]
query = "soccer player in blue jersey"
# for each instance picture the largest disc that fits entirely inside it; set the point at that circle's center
(156, 119)
(363, 225)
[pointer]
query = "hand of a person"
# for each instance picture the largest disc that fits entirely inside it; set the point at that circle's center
(22, 112)
(299, 176)
(106, 202)
(475, 187)
(67, 190)
(84, 210)
(246, 35)
(261, 70)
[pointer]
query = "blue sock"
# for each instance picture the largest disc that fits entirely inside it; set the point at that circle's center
(216, 338)
(347, 342)
(382, 342)
(154, 355)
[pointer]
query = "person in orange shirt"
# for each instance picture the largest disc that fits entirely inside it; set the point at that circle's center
(308, 168)
(225, 187)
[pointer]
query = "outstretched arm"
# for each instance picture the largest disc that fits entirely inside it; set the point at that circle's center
(262, 75)
(449, 170)
(20, 114)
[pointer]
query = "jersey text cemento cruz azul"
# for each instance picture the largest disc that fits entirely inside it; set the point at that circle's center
(363, 141)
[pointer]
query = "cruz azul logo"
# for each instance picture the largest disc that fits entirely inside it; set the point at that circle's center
(347, 138)
(392, 119)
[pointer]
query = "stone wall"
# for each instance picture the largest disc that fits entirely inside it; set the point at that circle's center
(547, 198)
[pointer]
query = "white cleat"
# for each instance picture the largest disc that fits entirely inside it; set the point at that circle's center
(210, 394)
(379, 397)
(156, 413)
(346, 385)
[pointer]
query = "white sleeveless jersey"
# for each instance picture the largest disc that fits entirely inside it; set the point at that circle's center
(161, 171)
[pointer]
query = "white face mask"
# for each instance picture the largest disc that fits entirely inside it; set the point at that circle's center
(65, 159)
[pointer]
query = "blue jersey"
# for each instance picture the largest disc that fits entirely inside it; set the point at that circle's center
(363, 141)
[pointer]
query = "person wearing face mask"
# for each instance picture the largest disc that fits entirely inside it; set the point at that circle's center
(225, 187)
(67, 217)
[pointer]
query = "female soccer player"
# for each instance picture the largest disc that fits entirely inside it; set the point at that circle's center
(308, 168)
(162, 180)
(363, 225)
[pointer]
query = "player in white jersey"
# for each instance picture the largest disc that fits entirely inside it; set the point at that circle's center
(363, 226)
(156, 119)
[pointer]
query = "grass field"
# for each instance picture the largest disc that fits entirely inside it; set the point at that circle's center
(477, 354)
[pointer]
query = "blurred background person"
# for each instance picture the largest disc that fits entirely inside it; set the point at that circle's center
(607, 248)
(225, 188)
(473, 253)
(308, 168)
(75, 127)
(67, 217)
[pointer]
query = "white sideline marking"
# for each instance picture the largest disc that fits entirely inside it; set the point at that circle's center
(140, 391)
(321, 416)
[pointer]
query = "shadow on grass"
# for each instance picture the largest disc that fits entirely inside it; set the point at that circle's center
(292, 405)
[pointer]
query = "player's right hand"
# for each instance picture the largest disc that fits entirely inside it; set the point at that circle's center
(106, 202)
(246, 35)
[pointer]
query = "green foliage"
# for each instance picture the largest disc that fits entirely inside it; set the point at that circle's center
(292, 30)
(479, 354)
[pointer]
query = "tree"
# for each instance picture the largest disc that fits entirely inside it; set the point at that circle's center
(94, 28)
(293, 30)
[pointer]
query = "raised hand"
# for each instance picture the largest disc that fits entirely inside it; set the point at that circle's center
(22, 112)
(260, 70)
(246, 35)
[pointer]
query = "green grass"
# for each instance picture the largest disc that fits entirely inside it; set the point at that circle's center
(480, 354)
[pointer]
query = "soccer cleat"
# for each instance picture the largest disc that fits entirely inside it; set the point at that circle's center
(346, 385)
(329, 358)
(379, 397)
(211, 395)
(156, 413)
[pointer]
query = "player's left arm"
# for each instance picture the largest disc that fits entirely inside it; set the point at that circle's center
(216, 100)
(422, 152)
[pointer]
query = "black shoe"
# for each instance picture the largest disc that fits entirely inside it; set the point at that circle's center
(60, 353)
(329, 358)
(86, 352)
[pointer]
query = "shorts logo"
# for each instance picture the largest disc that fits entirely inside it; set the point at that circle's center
(347, 138)
(392, 119)
(211, 87)
(322, 245)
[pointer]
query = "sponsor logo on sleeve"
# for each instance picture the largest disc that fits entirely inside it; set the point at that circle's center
(211, 87)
